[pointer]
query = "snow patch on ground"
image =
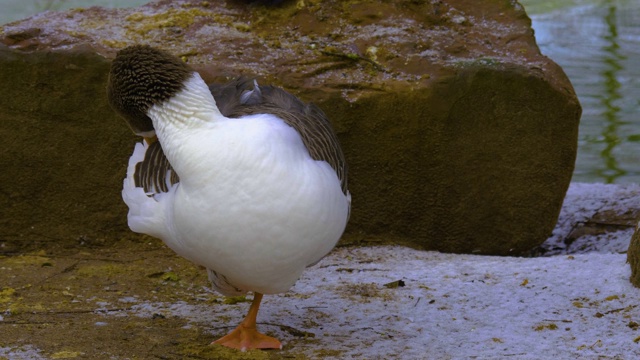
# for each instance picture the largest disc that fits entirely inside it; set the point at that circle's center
(450, 307)
(22, 352)
(582, 203)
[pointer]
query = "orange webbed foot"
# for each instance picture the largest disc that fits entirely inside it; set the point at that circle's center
(246, 335)
(244, 338)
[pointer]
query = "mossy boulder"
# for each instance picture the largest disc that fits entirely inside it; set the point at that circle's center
(460, 135)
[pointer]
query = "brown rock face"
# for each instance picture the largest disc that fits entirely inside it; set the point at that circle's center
(460, 135)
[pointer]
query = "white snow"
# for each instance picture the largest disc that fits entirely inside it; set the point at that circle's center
(451, 307)
(466, 306)
(22, 352)
(581, 203)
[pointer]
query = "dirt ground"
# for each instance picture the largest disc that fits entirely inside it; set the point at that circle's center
(57, 300)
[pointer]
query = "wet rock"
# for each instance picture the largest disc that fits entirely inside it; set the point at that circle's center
(460, 135)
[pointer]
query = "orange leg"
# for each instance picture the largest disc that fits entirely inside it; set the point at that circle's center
(246, 335)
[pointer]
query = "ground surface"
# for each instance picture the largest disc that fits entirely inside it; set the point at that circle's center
(134, 299)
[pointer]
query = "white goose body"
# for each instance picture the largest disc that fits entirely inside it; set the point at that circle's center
(255, 196)
(251, 204)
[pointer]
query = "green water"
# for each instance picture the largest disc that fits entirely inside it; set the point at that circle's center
(597, 43)
(11, 10)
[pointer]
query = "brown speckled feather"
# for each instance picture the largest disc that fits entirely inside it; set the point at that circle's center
(153, 172)
(239, 98)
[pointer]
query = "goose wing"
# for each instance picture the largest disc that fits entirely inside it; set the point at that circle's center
(244, 97)
(154, 173)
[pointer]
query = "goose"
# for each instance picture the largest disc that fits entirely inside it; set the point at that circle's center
(250, 183)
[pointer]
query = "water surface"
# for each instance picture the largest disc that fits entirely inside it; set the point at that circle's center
(597, 43)
(12, 10)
